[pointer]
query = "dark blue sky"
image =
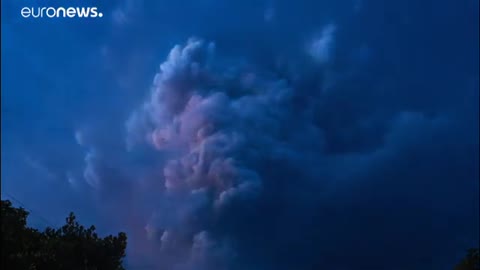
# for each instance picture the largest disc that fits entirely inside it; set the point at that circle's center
(260, 135)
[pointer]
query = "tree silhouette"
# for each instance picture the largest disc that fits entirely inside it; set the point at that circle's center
(470, 262)
(72, 247)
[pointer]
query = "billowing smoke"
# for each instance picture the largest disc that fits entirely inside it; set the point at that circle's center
(232, 166)
(220, 128)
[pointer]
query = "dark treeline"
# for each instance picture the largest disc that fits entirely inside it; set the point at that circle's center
(74, 247)
(71, 247)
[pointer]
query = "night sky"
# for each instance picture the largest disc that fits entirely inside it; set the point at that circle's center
(250, 135)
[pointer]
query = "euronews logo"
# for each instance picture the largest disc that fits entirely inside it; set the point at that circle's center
(60, 12)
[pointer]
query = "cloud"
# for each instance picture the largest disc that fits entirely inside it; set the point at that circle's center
(321, 48)
(217, 129)
(234, 166)
(241, 174)
(125, 12)
(92, 169)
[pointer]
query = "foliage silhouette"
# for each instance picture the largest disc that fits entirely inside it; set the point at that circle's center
(470, 262)
(72, 247)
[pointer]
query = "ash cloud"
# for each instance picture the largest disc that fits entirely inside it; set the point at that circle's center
(250, 175)
(221, 128)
